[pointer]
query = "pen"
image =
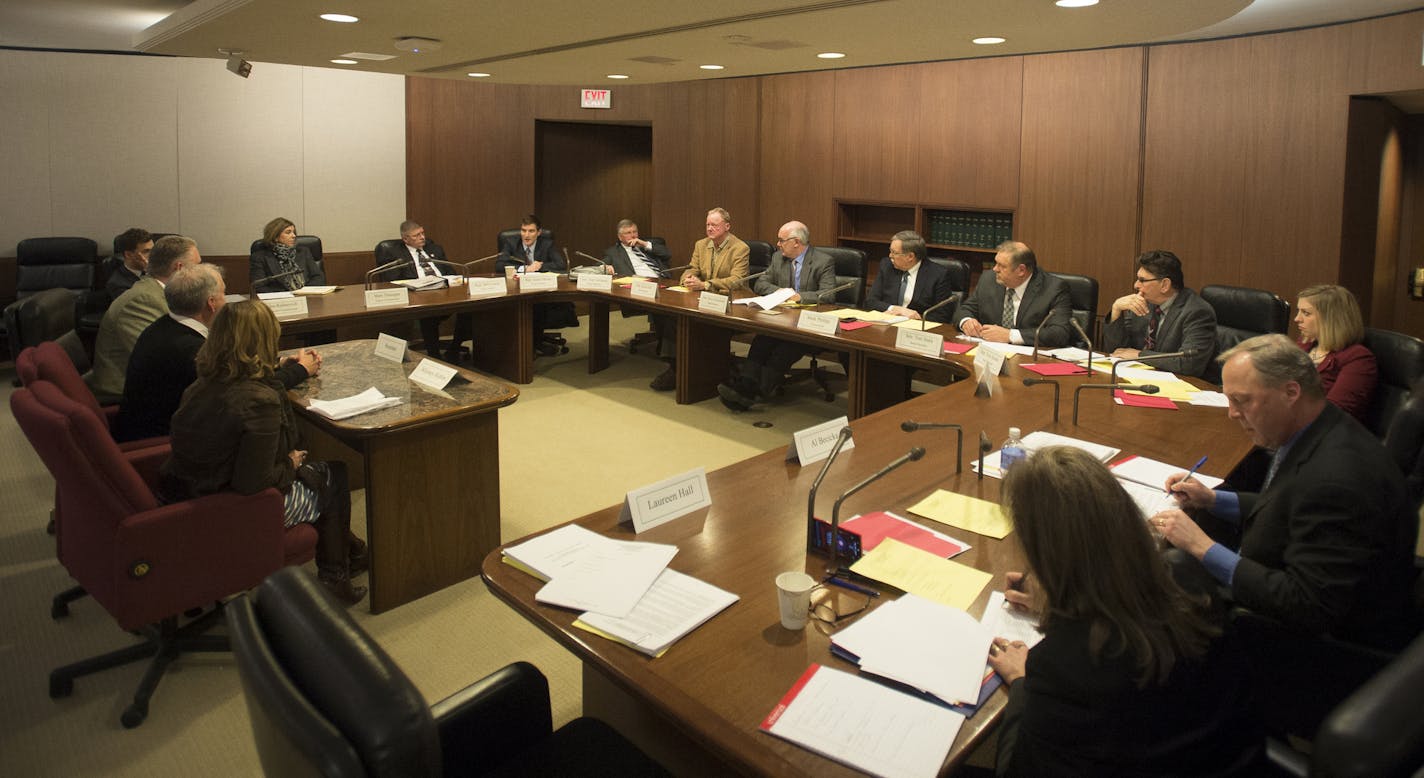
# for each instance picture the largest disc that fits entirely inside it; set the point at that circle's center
(834, 581)
(1194, 469)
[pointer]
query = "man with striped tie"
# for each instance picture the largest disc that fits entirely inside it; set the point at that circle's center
(1161, 317)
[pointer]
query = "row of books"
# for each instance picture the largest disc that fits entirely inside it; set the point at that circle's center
(963, 228)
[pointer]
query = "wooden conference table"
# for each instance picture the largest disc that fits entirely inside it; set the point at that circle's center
(707, 695)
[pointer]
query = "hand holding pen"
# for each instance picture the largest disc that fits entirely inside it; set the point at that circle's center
(1189, 492)
(1016, 593)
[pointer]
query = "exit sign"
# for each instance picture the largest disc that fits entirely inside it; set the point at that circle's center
(596, 98)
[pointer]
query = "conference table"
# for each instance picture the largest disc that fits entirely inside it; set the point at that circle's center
(697, 708)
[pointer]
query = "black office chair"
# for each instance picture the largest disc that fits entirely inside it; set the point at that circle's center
(1400, 358)
(850, 268)
(325, 699)
(50, 263)
(1242, 313)
(759, 256)
(38, 317)
(1083, 292)
(1405, 442)
(651, 336)
(555, 316)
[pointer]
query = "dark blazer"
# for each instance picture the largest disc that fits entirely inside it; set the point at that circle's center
(408, 269)
(1189, 323)
(263, 263)
(1070, 715)
(617, 256)
(818, 274)
(543, 252)
(1349, 377)
(1328, 547)
(232, 436)
(1046, 295)
(931, 286)
(120, 280)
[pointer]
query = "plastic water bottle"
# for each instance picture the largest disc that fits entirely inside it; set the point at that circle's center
(1013, 451)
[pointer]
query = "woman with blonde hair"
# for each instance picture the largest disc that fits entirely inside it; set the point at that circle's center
(235, 431)
(1331, 331)
(1132, 676)
(278, 264)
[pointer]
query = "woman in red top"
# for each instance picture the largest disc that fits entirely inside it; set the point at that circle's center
(1331, 329)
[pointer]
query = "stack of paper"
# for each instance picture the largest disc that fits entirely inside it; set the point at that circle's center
(314, 290)
(925, 645)
(346, 407)
(422, 284)
(875, 527)
(1039, 439)
(768, 301)
(1144, 479)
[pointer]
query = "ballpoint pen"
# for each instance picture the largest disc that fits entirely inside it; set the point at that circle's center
(833, 580)
(1194, 469)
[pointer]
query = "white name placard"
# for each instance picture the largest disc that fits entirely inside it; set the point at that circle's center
(815, 443)
(287, 307)
(390, 347)
(647, 290)
(709, 302)
(387, 298)
(432, 374)
(930, 344)
(666, 500)
(538, 282)
(819, 323)
(488, 287)
(595, 282)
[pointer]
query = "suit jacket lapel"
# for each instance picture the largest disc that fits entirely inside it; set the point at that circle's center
(1299, 454)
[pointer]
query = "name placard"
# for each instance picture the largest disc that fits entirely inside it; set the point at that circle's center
(387, 298)
(488, 287)
(710, 302)
(432, 374)
(815, 443)
(666, 500)
(287, 307)
(648, 290)
(817, 322)
(538, 282)
(390, 347)
(595, 282)
(930, 344)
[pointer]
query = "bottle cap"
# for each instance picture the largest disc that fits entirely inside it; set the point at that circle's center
(1013, 432)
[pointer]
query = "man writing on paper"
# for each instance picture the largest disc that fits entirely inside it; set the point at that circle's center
(718, 265)
(1008, 306)
(419, 251)
(906, 284)
(809, 273)
(1161, 317)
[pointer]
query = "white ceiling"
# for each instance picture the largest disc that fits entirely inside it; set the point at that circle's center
(532, 42)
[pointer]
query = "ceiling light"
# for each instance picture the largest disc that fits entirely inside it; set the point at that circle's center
(616, 75)
(347, 18)
(830, 55)
(1075, 3)
(478, 75)
(343, 62)
(710, 67)
(989, 40)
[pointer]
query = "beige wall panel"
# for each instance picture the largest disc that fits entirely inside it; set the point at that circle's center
(25, 99)
(968, 132)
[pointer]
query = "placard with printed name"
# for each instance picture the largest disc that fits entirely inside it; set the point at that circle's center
(668, 499)
(387, 298)
(432, 374)
(390, 347)
(815, 443)
(287, 307)
(538, 282)
(488, 287)
(595, 282)
(819, 323)
(648, 290)
(710, 302)
(928, 343)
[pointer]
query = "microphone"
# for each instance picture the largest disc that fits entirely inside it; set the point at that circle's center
(465, 266)
(456, 265)
(925, 314)
(911, 426)
(1038, 331)
(816, 484)
(913, 455)
(664, 273)
(1056, 388)
(568, 264)
(821, 296)
(1086, 339)
(589, 256)
(1186, 352)
(292, 272)
(1145, 389)
(742, 282)
(984, 447)
(392, 265)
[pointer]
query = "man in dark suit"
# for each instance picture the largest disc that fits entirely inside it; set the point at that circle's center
(1161, 317)
(162, 364)
(533, 252)
(811, 273)
(633, 256)
(425, 258)
(1009, 306)
(130, 260)
(907, 285)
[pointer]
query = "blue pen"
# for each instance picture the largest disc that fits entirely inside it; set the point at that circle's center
(834, 581)
(1194, 469)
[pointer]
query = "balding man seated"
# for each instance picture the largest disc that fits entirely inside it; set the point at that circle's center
(1009, 305)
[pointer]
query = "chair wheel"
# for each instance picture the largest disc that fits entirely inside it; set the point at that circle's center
(563, 349)
(60, 687)
(133, 715)
(58, 610)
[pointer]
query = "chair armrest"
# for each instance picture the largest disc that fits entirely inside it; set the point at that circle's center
(493, 718)
(147, 456)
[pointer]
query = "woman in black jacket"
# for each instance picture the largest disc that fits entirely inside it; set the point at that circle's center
(278, 264)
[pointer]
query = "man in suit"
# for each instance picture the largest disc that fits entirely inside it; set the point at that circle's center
(1162, 317)
(131, 248)
(907, 285)
(1009, 306)
(811, 274)
(633, 256)
(132, 312)
(533, 252)
(423, 258)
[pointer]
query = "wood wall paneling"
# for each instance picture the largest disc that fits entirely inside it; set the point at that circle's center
(1081, 163)
(1408, 314)
(1371, 124)
(878, 120)
(968, 133)
(1384, 53)
(797, 141)
(590, 176)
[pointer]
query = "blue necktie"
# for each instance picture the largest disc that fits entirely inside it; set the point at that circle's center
(796, 275)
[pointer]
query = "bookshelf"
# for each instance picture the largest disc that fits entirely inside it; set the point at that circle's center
(966, 233)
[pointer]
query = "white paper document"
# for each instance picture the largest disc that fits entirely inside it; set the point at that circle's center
(675, 605)
(863, 724)
(767, 301)
(608, 578)
(555, 551)
(275, 295)
(1143, 479)
(1209, 399)
(422, 284)
(314, 290)
(1010, 348)
(1039, 439)
(923, 644)
(346, 407)
(1003, 621)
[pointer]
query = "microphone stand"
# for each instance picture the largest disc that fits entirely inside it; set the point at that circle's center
(294, 272)
(984, 446)
(1191, 352)
(392, 265)
(816, 484)
(1038, 331)
(911, 426)
(1056, 388)
(465, 266)
(664, 273)
(913, 455)
(925, 314)
(741, 283)
(1145, 389)
(585, 256)
(1086, 339)
(821, 296)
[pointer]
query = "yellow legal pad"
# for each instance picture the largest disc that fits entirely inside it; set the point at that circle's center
(921, 573)
(1172, 390)
(967, 513)
(914, 324)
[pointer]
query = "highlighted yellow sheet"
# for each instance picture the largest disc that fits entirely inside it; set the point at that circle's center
(922, 573)
(677, 289)
(1172, 390)
(964, 512)
(877, 316)
(625, 281)
(914, 324)
(848, 313)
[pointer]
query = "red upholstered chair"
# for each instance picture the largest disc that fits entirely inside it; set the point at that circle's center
(147, 563)
(49, 361)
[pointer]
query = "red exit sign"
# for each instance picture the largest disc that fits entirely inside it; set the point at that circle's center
(596, 98)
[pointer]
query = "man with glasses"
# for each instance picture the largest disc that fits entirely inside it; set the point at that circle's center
(1161, 317)
(1009, 306)
(424, 259)
(907, 284)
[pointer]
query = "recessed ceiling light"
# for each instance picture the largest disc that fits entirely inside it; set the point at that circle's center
(989, 40)
(478, 75)
(710, 67)
(347, 18)
(343, 62)
(1075, 3)
(616, 75)
(830, 55)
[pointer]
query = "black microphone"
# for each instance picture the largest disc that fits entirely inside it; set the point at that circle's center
(1056, 388)
(664, 273)
(984, 447)
(1186, 352)
(1145, 389)
(816, 484)
(925, 314)
(1039, 331)
(293, 272)
(742, 282)
(821, 296)
(392, 265)
(913, 455)
(465, 266)
(911, 426)
(1086, 339)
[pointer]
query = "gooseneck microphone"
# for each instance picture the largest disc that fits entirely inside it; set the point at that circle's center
(833, 291)
(465, 266)
(1086, 339)
(816, 484)
(1145, 389)
(392, 265)
(1056, 390)
(293, 272)
(1186, 352)
(740, 283)
(1037, 331)
(588, 256)
(984, 446)
(913, 455)
(925, 314)
(911, 426)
